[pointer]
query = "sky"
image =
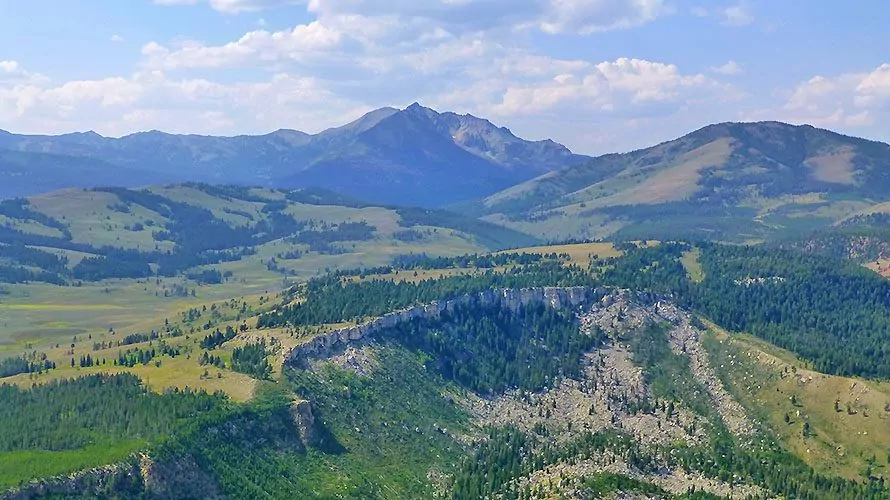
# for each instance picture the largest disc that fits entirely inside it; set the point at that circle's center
(599, 76)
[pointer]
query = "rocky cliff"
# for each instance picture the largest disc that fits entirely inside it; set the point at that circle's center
(513, 299)
(141, 476)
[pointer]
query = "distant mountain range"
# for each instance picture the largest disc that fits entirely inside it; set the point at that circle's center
(414, 156)
(735, 181)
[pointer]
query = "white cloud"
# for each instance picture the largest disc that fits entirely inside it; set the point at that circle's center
(304, 41)
(733, 15)
(550, 16)
(730, 68)
(117, 39)
(9, 66)
(586, 17)
(234, 6)
(737, 15)
(623, 84)
(847, 100)
(152, 100)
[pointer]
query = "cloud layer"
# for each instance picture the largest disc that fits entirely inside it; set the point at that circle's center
(463, 55)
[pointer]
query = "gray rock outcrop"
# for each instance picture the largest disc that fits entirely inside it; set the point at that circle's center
(510, 298)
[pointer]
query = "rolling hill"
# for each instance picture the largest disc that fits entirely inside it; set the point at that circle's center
(91, 235)
(414, 156)
(734, 181)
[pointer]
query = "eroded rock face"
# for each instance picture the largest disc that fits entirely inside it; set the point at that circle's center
(512, 299)
(301, 410)
(178, 479)
(87, 482)
(613, 393)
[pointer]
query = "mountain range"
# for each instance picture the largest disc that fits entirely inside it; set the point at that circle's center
(725, 181)
(414, 156)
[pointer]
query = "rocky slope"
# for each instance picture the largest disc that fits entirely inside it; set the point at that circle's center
(326, 344)
(616, 394)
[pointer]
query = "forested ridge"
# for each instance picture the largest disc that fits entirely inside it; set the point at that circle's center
(329, 300)
(69, 414)
(831, 312)
(382, 433)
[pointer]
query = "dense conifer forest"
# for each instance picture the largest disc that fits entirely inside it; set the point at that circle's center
(833, 313)
(329, 300)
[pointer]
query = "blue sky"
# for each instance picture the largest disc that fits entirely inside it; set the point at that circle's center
(596, 75)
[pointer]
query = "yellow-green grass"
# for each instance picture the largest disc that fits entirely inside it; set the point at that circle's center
(197, 197)
(385, 220)
(36, 316)
(74, 257)
(774, 383)
(90, 221)
(161, 373)
(880, 266)
(580, 254)
(30, 227)
(692, 264)
(656, 183)
(19, 467)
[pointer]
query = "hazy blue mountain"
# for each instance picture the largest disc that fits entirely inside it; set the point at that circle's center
(411, 156)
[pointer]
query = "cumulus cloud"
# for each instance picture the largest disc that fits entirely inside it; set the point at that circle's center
(846, 100)
(624, 83)
(737, 15)
(152, 100)
(117, 39)
(733, 15)
(259, 46)
(550, 16)
(234, 6)
(730, 68)
(8, 66)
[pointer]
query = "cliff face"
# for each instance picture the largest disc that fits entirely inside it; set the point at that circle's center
(175, 479)
(87, 482)
(512, 299)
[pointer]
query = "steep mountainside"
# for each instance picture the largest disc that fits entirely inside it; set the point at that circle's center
(414, 156)
(725, 181)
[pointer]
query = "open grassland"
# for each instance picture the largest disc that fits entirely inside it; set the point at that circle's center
(29, 226)
(579, 254)
(15, 466)
(839, 425)
(692, 263)
(880, 266)
(99, 219)
(162, 372)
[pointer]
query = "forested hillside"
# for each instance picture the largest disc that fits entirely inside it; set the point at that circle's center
(481, 403)
(627, 394)
(831, 312)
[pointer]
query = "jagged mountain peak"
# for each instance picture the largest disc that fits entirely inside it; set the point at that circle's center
(443, 157)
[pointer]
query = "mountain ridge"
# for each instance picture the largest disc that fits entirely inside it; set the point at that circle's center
(403, 157)
(761, 174)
